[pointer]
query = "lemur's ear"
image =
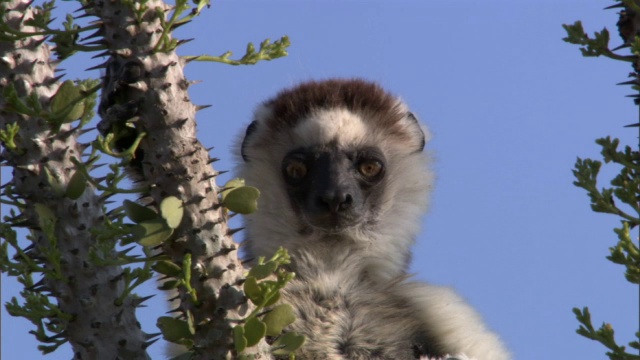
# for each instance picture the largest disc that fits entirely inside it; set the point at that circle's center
(250, 130)
(417, 129)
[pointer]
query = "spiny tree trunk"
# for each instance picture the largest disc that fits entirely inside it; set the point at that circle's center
(95, 325)
(145, 86)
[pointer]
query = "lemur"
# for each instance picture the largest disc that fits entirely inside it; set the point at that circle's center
(345, 181)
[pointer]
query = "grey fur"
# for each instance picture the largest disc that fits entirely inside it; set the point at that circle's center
(351, 292)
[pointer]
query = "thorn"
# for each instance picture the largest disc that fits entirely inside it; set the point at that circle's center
(210, 148)
(630, 82)
(246, 261)
(83, 147)
(174, 298)
(89, 5)
(58, 69)
(176, 310)
(182, 42)
(125, 251)
(222, 172)
(196, 199)
(64, 135)
(618, 5)
(208, 177)
(101, 66)
(633, 125)
(149, 343)
(166, 67)
(212, 160)
(40, 41)
(104, 196)
(225, 251)
(157, 247)
(151, 336)
(138, 301)
(86, 130)
(158, 255)
(85, 15)
(177, 25)
(180, 122)
(96, 42)
(104, 53)
(621, 47)
(53, 80)
(230, 232)
(202, 107)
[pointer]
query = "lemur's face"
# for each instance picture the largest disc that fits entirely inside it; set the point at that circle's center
(331, 157)
(332, 187)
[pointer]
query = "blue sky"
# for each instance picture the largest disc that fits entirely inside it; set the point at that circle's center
(510, 106)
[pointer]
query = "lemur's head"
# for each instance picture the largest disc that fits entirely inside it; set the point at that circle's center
(336, 161)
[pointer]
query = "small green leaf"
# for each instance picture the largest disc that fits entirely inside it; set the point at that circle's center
(46, 217)
(173, 329)
(254, 330)
(253, 291)
(262, 271)
(138, 213)
(278, 318)
(243, 200)
(76, 186)
(54, 181)
(238, 338)
(274, 299)
(166, 267)
(287, 343)
(230, 185)
(62, 101)
(172, 210)
(169, 284)
(152, 232)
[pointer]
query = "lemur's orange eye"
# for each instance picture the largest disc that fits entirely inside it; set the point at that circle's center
(296, 169)
(370, 168)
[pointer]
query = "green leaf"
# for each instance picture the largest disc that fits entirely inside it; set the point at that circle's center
(152, 232)
(242, 200)
(166, 267)
(262, 271)
(172, 210)
(253, 291)
(274, 299)
(254, 330)
(46, 217)
(138, 213)
(76, 186)
(54, 181)
(278, 318)
(238, 338)
(287, 343)
(63, 102)
(230, 185)
(173, 329)
(169, 284)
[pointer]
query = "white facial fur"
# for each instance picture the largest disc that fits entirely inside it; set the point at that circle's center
(385, 245)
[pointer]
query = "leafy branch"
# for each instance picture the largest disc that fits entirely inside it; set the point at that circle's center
(625, 187)
(267, 51)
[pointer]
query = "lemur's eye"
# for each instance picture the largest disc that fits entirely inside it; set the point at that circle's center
(295, 169)
(370, 168)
